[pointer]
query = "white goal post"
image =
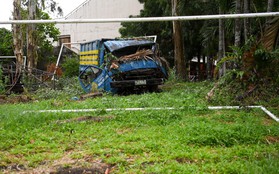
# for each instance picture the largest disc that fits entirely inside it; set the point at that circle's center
(144, 19)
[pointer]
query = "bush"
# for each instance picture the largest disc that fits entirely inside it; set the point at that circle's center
(71, 67)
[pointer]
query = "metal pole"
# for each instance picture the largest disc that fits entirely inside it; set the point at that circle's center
(59, 57)
(145, 109)
(238, 107)
(145, 19)
(58, 60)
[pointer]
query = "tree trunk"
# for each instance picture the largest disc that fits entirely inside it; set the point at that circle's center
(270, 5)
(204, 67)
(32, 54)
(221, 49)
(199, 68)
(209, 67)
(179, 58)
(247, 28)
(17, 34)
(237, 34)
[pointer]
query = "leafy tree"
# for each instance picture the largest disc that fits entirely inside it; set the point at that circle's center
(46, 34)
(6, 42)
(37, 39)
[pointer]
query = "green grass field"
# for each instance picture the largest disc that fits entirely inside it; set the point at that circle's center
(190, 139)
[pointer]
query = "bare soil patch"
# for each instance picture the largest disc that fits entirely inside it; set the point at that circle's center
(64, 165)
(272, 139)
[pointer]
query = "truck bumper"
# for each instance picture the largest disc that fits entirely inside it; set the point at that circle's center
(132, 83)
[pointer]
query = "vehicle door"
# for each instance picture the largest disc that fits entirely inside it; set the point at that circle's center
(94, 78)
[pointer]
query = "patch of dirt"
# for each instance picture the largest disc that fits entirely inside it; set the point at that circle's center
(272, 139)
(95, 169)
(268, 122)
(15, 99)
(123, 131)
(64, 165)
(185, 161)
(87, 118)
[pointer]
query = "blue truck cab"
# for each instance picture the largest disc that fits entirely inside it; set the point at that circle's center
(118, 65)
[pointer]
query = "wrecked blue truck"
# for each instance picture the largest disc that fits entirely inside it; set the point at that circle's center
(121, 65)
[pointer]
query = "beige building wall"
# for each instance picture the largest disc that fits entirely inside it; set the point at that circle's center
(98, 9)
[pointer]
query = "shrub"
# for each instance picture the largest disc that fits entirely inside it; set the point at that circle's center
(71, 67)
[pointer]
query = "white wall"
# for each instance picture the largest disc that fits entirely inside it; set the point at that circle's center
(98, 9)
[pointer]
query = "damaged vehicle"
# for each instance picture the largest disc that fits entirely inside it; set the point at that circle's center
(121, 65)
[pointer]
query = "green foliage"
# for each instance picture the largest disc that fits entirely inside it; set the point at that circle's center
(236, 87)
(71, 67)
(267, 62)
(46, 35)
(6, 42)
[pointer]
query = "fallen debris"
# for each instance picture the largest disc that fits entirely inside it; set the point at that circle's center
(210, 94)
(141, 54)
(91, 95)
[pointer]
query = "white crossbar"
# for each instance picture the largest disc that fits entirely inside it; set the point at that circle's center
(145, 19)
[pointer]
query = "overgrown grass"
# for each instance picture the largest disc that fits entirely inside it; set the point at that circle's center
(191, 139)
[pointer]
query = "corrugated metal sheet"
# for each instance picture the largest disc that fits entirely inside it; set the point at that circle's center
(114, 45)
